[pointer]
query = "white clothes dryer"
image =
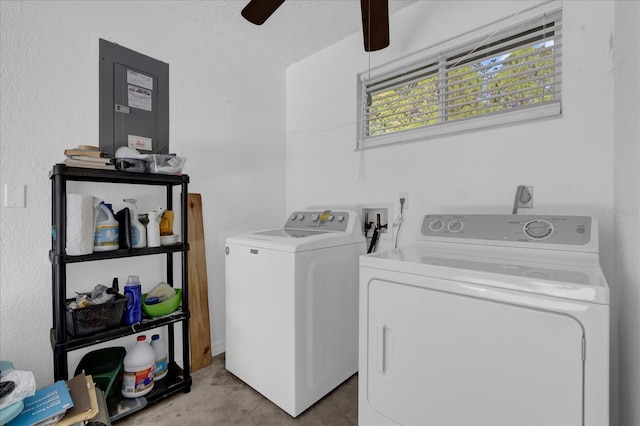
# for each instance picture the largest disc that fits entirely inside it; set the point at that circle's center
(487, 320)
(292, 306)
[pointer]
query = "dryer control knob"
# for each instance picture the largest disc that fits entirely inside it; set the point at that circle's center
(455, 226)
(340, 218)
(293, 217)
(315, 217)
(330, 218)
(538, 229)
(300, 216)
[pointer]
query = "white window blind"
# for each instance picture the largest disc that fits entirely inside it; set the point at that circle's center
(511, 74)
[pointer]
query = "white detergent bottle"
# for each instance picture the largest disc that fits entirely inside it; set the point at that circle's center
(138, 366)
(153, 229)
(105, 237)
(162, 359)
(138, 231)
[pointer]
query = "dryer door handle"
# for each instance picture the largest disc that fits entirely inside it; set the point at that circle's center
(383, 335)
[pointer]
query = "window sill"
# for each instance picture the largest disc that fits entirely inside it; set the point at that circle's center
(463, 126)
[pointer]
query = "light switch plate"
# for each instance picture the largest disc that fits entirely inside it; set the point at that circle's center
(14, 195)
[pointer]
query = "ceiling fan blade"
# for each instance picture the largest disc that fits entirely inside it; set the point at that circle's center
(375, 24)
(258, 11)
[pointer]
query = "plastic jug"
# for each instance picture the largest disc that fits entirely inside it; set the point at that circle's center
(153, 229)
(162, 360)
(105, 237)
(138, 366)
(133, 291)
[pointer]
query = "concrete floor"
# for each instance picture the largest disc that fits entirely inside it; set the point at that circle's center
(217, 397)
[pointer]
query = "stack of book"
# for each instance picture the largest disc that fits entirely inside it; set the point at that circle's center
(88, 156)
(62, 403)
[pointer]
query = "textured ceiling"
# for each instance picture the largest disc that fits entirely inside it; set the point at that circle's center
(298, 28)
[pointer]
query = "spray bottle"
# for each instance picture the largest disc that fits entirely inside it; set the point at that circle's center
(138, 231)
(153, 229)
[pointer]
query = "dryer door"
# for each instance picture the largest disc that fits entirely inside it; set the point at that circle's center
(439, 358)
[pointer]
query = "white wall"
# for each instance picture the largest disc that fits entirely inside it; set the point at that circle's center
(568, 160)
(626, 279)
(228, 123)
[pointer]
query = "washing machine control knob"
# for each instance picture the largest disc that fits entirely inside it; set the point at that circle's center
(436, 225)
(300, 216)
(340, 218)
(538, 229)
(455, 226)
(315, 217)
(330, 218)
(293, 217)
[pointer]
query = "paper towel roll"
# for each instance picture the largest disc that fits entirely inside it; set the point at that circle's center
(80, 224)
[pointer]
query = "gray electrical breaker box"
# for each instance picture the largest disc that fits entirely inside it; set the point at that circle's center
(134, 101)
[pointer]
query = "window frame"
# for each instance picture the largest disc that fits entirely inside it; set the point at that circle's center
(518, 23)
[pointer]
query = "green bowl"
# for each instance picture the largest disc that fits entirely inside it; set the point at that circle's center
(162, 308)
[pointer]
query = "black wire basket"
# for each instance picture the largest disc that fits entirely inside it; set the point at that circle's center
(95, 318)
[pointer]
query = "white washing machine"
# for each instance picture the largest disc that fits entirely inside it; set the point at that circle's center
(292, 306)
(488, 320)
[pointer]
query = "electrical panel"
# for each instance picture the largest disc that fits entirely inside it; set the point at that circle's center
(134, 101)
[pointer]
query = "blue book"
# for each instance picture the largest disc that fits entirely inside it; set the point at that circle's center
(47, 403)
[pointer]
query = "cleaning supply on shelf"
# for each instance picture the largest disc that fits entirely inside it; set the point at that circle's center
(138, 230)
(162, 359)
(166, 223)
(153, 229)
(138, 366)
(133, 291)
(105, 237)
(124, 228)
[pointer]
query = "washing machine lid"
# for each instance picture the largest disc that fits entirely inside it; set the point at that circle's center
(575, 276)
(288, 240)
(306, 230)
(290, 233)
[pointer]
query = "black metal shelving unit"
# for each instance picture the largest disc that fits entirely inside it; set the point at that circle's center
(178, 379)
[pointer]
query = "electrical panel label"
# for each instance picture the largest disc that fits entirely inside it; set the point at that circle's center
(139, 79)
(139, 142)
(139, 98)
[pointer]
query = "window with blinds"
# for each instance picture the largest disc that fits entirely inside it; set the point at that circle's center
(509, 75)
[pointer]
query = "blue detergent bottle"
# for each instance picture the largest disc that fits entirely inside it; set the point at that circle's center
(133, 291)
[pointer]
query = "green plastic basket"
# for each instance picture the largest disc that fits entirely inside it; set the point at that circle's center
(104, 365)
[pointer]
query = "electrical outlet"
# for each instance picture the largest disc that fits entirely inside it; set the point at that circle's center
(404, 195)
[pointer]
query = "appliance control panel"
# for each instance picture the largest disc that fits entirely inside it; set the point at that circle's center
(326, 220)
(568, 230)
